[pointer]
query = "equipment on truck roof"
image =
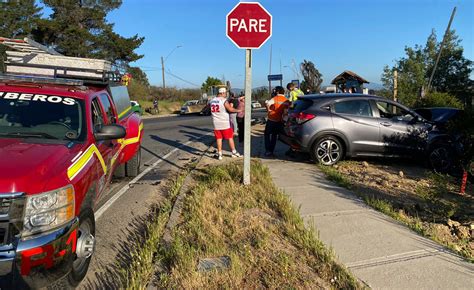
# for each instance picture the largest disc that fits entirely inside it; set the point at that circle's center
(27, 57)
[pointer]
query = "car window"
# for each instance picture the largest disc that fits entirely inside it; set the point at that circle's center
(109, 110)
(354, 107)
(301, 105)
(97, 116)
(393, 112)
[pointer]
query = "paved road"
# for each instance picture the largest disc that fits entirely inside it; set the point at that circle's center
(116, 229)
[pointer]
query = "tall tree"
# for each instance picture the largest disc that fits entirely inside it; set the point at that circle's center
(210, 82)
(452, 75)
(312, 77)
(19, 18)
(79, 28)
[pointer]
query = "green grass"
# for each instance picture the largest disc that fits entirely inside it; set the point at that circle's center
(141, 268)
(335, 176)
(165, 106)
(257, 227)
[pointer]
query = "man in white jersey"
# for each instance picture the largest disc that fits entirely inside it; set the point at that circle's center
(220, 110)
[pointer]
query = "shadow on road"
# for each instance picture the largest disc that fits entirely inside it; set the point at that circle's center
(161, 158)
(178, 144)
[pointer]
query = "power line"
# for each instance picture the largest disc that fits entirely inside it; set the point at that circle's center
(181, 79)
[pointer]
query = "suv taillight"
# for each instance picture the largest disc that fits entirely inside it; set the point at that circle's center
(302, 117)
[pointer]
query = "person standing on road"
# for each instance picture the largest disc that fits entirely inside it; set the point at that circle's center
(294, 93)
(275, 107)
(240, 118)
(220, 109)
(234, 102)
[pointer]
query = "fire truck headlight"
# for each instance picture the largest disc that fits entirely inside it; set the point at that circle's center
(49, 210)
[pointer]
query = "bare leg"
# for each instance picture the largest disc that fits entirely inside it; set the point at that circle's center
(231, 144)
(219, 145)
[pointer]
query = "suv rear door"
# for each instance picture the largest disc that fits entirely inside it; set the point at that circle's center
(355, 119)
(400, 131)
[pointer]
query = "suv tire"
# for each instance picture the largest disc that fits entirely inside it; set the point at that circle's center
(132, 167)
(327, 150)
(120, 171)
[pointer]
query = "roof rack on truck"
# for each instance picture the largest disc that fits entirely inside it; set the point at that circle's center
(27, 60)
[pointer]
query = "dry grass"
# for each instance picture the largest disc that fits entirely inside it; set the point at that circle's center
(424, 201)
(257, 227)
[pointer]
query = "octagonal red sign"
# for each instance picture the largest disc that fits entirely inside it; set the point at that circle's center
(249, 25)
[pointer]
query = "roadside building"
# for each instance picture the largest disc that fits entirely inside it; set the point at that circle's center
(349, 81)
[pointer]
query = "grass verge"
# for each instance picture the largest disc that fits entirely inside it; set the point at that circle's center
(142, 265)
(256, 227)
(429, 196)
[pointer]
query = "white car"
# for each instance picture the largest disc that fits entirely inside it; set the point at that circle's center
(256, 105)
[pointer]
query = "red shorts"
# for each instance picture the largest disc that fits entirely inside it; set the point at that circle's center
(224, 134)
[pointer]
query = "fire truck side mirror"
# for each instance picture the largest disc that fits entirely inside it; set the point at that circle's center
(110, 132)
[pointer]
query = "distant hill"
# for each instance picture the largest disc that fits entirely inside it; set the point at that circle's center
(373, 86)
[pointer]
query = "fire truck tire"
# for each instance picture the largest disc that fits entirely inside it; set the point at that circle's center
(120, 171)
(132, 167)
(80, 265)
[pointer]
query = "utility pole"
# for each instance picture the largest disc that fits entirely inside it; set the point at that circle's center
(395, 85)
(163, 72)
(440, 50)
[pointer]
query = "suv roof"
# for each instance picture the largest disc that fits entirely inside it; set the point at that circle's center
(340, 95)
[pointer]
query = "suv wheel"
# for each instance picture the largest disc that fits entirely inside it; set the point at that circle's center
(327, 151)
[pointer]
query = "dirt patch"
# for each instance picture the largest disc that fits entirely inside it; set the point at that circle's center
(414, 195)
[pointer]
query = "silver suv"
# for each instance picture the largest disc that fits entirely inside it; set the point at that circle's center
(333, 126)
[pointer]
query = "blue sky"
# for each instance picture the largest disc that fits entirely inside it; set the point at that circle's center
(336, 35)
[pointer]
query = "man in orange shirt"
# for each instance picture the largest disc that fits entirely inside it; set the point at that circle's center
(275, 107)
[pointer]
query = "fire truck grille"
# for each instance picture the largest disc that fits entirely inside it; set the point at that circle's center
(5, 204)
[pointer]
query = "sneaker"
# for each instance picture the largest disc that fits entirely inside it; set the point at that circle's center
(218, 156)
(235, 154)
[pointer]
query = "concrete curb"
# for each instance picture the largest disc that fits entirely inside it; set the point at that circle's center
(158, 116)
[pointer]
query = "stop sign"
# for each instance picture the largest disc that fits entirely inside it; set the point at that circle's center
(249, 25)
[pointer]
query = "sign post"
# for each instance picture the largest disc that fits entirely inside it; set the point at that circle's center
(248, 26)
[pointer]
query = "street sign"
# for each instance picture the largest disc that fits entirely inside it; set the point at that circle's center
(275, 77)
(249, 25)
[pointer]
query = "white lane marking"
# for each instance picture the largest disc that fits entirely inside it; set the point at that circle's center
(124, 189)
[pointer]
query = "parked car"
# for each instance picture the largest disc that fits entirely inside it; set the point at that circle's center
(333, 126)
(193, 107)
(136, 107)
(256, 105)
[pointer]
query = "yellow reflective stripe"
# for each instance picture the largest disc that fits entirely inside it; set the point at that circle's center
(124, 112)
(125, 142)
(82, 161)
(135, 139)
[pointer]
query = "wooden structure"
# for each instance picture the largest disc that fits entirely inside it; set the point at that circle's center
(349, 81)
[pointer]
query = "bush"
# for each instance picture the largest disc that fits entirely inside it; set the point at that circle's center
(436, 99)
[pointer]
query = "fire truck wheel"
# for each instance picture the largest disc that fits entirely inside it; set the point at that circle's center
(133, 165)
(85, 247)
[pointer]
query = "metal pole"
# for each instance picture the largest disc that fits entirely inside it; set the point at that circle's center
(248, 114)
(440, 50)
(395, 85)
(163, 72)
(270, 72)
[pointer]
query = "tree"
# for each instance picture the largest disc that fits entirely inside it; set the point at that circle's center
(414, 69)
(80, 29)
(210, 82)
(138, 75)
(312, 77)
(19, 18)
